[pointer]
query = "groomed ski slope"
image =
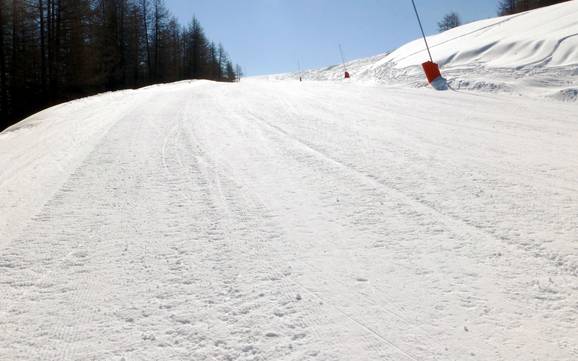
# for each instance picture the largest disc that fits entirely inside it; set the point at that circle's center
(290, 221)
(534, 53)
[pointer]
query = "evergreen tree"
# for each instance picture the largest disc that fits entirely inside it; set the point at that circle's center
(238, 72)
(196, 50)
(509, 7)
(222, 59)
(506, 7)
(213, 62)
(230, 75)
(450, 21)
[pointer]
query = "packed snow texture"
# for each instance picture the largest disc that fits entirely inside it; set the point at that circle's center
(290, 221)
(533, 53)
(286, 220)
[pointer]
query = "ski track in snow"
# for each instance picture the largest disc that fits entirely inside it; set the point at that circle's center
(290, 221)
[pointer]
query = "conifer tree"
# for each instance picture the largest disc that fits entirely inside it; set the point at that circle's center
(450, 21)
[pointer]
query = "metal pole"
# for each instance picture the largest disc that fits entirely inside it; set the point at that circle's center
(422, 32)
(300, 71)
(342, 58)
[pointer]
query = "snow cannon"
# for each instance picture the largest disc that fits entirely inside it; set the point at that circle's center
(434, 77)
(347, 76)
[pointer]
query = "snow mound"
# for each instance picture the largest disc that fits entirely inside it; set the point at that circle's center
(362, 68)
(546, 37)
(533, 53)
(566, 95)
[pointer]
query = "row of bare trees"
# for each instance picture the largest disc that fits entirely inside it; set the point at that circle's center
(56, 50)
(509, 7)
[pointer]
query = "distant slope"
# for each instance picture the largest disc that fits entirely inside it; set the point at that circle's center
(533, 53)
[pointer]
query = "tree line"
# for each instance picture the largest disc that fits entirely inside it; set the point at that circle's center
(58, 50)
(505, 7)
(509, 7)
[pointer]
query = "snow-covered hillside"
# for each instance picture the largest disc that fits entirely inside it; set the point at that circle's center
(290, 221)
(317, 220)
(533, 53)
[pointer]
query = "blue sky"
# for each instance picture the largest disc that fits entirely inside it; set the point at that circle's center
(270, 36)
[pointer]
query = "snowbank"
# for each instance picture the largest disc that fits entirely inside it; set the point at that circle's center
(532, 53)
(546, 37)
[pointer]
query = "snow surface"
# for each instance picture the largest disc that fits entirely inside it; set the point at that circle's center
(284, 220)
(290, 221)
(533, 53)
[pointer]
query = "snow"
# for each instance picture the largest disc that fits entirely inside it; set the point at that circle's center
(547, 37)
(532, 54)
(285, 220)
(290, 221)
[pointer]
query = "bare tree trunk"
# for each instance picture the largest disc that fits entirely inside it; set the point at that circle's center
(3, 90)
(135, 48)
(42, 46)
(146, 35)
(50, 36)
(157, 25)
(122, 42)
(14, 58)
(57, 42)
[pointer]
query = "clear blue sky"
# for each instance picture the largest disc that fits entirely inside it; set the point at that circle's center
(269, 36)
